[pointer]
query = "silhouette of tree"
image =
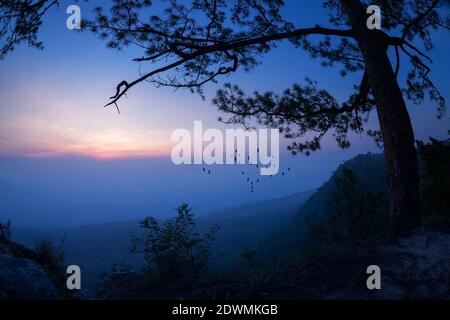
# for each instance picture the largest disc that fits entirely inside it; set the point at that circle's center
(353, 215)
(191, 43)
(436, 177)
(175, 249)
(20, 21)
(51, 258)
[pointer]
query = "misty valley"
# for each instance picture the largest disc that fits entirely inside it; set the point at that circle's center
(275, 247)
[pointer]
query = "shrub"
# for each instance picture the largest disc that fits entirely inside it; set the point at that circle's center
(435, 182)
(174, 249)
(52, 261)
(354, 217)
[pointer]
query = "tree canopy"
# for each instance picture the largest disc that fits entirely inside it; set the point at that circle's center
(191, 43)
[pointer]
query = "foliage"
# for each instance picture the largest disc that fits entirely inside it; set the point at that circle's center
(52, 260)
(49, 255)
(191, 43)
(354, 217)
(121, 267)
(20, 22)
(435, 169)
(175, 250)
(250, 269)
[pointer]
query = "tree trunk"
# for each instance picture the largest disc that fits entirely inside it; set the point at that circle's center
(395, 124)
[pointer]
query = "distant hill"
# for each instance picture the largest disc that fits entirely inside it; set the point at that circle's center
(95, 248)
(250, 226)
(371, 171)
(267, 207)
(294, 238)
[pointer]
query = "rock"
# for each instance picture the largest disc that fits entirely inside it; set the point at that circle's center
(4, 248)
(21, 277)
(17, 250)
(24, 279)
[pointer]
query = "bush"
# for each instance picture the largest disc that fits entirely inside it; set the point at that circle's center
(354, 218)
(250, 269)
(175, 250)
(49, 255)
(52, 261)
(435, 182)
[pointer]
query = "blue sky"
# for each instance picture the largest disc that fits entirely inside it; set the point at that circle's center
(52, 113)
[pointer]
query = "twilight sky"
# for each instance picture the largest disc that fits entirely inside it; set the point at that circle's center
(51, 107)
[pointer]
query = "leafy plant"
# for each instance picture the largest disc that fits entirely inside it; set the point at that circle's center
(251, 268)
(175, 249)
(435, 184)
(354, 217)
(51, 259)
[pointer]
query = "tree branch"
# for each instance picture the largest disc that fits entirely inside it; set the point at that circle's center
(222, 47)
(417, 19)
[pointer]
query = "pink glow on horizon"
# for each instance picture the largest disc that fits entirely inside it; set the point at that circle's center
(132, 154)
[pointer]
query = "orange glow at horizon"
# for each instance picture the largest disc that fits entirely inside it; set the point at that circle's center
(48, 118)
(63, 128)
(100, 155)
(109, 144)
